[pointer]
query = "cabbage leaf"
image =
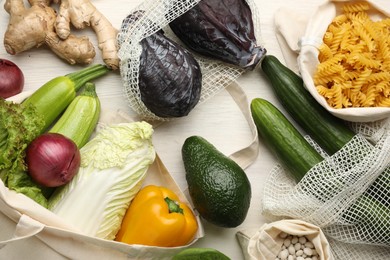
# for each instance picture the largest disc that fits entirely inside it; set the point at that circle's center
(113, 166)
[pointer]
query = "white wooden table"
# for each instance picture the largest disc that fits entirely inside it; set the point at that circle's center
(218, 120)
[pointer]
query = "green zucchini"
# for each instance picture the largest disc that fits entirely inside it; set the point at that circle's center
(52, 98)
(330, 132)
(283, 139)
(80, 117)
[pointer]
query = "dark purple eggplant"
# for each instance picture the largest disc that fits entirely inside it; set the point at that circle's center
(220, 29)
(170, 79)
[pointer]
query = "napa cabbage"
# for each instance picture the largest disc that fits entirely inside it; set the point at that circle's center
(113, 166)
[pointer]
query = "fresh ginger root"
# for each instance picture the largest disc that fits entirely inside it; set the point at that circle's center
(74, 49)
(34, 26)
(82, 13)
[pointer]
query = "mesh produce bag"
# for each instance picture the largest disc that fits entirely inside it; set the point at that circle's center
(157, 15)
(347, 194)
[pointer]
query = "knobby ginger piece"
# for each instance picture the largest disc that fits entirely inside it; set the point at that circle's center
(32, 27)
(82, 13)
(74, 49)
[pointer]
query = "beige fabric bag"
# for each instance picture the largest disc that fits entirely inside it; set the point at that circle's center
(265, 243)
(305, 40)
(25, 224)
(55, 238)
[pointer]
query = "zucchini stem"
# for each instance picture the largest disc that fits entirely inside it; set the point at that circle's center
(81, 77)
(89, 90)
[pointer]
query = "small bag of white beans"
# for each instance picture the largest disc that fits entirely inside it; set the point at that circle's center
(288, 239)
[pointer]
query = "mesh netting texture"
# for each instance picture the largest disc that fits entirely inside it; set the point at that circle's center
(347, 194)
(158, 14)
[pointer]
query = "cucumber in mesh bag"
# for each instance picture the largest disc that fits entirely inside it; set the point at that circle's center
(369, 216)
(331, 134)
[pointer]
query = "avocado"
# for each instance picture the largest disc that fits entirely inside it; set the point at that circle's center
(194, 253)
(218, 186)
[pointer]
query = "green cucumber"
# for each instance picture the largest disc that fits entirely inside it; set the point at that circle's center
(283, 139)
(330, 132)
(297, 156)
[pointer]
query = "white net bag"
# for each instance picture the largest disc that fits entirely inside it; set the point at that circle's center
(347, 194)
(157, 15)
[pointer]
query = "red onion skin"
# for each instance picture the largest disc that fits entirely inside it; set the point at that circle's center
(52, 159)
(11, 79)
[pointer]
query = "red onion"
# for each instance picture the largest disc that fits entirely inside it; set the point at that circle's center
(52, 159)
(11, 79)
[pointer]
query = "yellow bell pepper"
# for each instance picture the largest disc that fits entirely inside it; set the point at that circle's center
(156, 217)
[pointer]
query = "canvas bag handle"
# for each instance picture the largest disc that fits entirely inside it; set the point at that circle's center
(247, 155)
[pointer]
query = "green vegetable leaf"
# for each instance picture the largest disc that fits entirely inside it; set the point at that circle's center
(113, 151)
(19, 125)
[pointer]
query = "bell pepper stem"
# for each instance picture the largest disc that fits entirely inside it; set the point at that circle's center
(173, 206)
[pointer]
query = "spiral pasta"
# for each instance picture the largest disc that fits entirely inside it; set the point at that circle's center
(356, 7)
(354, 68)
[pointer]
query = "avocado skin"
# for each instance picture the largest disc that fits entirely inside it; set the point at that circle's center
(200, 254)
(218, 186)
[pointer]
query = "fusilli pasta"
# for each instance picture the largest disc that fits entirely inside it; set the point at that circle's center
(354, 68)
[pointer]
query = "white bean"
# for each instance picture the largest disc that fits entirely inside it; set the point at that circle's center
(308, 251)
(283, 254)
(283, 235)
(294, 240)
(314, 258)
(300, 258)
(309, 244)
(287, 242)
(297, 246)
(302, 240)
(291, 250)
(290, 257)
(299, 252)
